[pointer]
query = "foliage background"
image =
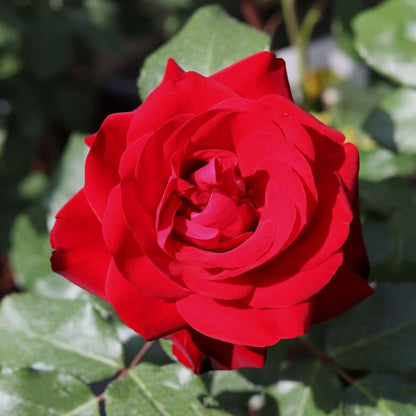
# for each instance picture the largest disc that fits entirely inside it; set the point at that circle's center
(65, 65)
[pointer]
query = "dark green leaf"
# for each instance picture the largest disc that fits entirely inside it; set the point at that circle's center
(67, 335)
(306, 388)
(38, 393)
(276, 354)
(169, 390)
(210, 41)
(393, 123)
(233, 391)
(379, 395)
(386, 39)
(390, 228)
(388, 196)
(379, 333)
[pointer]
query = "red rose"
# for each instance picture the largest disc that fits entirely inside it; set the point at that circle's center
(218, 214)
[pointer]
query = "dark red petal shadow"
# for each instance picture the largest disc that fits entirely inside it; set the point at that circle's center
(202, 354)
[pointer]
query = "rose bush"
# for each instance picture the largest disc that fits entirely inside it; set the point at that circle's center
(217, 214)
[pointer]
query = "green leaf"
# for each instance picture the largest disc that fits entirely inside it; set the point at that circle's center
(306, 388)
(390, 228)
(69, 177)
(386, 39)
(276, 354)
(30, 253)
(166, 346)
(57, 334)
(379, 333)
(210, 41)
(37, 393)
(231, 381)
(379, 395)
(388, 196)
(393, 122)
(380, 163)
(233, 391)
(169, 390)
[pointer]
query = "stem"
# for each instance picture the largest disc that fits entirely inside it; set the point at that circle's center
(291, 20)
(312, 17)
(143, 350)
(300, 35)
(326, 359)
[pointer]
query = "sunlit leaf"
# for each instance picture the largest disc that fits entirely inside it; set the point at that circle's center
(210, 41)
(168, 390)
(57, 334)
(39, 393)
(385, 37)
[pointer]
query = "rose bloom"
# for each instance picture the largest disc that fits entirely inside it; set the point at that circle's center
(218, 214)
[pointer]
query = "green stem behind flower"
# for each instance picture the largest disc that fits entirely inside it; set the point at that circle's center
(300, 34)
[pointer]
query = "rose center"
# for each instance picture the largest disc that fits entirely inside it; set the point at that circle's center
(217, 212)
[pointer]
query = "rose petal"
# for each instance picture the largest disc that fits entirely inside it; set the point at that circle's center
(101, 167)
(302, 117)
(152, 318)
(178, 97)
(80, 253)
(348, 172)
(274, 291)
(202, 354)
(257, 75)
(172, 71)
(129, 257)
(348, 286)
(326, 233)
(228, 321)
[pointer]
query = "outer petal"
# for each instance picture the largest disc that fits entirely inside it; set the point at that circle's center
(80, 253)
(172, 71)
(201, 353)
(326, 234)
(348, 286)
(101, 167)
(282, 291)
(304, 118)
(129, 257)
(190, 94)
(228, 321)
(150, 317)
(258, 75)
(348, 171)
